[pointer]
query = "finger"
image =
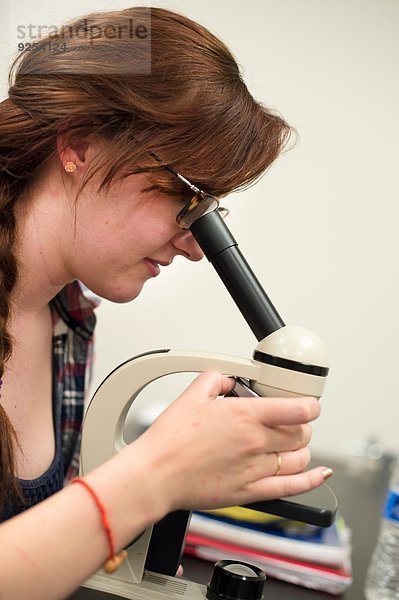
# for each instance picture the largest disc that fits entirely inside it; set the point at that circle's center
(289, 463)
(284, 439)
(274, 464)
(289, 485)
(285, 411)
(209, 385)
(260, 439)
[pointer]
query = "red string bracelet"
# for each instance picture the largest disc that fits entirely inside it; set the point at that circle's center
(114, 560)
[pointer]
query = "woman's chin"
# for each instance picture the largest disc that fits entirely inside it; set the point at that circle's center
(119, 295)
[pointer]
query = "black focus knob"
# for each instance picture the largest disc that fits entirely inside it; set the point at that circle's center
(235, 580)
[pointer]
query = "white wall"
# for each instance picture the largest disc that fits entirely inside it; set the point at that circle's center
(320, 229)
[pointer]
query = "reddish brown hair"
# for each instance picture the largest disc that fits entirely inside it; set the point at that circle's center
(193, 109)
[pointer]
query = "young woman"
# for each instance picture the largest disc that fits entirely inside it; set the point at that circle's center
(87, 144)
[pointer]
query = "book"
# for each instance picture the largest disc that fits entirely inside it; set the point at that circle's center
(334, 580)
(329, 546)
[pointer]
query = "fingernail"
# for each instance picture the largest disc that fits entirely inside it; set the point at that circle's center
(327, 473)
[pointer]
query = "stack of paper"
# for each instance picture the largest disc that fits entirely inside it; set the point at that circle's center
(317, 558)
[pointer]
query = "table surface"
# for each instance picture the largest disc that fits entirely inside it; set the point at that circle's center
(360, 493)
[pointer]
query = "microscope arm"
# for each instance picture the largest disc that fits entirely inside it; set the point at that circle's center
(102, 434)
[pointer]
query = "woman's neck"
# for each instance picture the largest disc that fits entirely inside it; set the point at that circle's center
(41, 227)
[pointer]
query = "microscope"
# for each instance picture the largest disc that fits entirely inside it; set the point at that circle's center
(287, 361)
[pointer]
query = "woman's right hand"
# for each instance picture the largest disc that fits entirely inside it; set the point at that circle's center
(206, 451)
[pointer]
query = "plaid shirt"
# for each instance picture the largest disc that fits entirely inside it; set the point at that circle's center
(73, 325)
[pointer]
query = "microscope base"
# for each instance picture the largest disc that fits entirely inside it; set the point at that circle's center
(152, 587)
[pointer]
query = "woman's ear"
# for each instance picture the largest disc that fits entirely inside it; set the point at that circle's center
(72, 150)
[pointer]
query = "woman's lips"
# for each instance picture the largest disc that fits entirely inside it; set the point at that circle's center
(152, 267)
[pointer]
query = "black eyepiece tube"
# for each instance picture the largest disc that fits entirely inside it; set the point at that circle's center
(221, 249)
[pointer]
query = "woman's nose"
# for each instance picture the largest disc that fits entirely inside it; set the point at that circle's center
(185, 243)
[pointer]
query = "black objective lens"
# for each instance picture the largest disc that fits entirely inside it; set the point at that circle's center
(236, 580)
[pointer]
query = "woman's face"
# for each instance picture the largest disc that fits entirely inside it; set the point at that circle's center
(122, 238)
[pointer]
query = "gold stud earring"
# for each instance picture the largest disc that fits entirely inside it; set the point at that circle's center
(70, 167)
